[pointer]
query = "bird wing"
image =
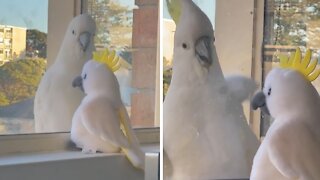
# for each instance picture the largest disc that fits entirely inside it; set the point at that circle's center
(134, 153)
(294, 151)
(40, 106)
(240, 87)
(101, 118)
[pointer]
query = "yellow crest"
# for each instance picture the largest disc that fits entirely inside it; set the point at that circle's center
(109, 58)
(305, 66)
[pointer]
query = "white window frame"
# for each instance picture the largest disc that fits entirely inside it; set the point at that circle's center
(50, 156)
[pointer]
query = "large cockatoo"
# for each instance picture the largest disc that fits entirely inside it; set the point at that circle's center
(55, 99)
(206, 135)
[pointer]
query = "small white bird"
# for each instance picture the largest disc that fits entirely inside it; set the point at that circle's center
(101, 122)
(55, 99)
(290, 149)
(206, 135)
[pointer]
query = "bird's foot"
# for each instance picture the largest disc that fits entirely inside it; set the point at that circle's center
(89, 150)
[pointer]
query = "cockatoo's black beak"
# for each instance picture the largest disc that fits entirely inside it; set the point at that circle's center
(203, 51)
(259, 101)
(77, 82)
(84, 40)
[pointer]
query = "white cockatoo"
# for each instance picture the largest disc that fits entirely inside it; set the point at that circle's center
(290, 149)
(55, 99)
(206, 135)
(101, 122)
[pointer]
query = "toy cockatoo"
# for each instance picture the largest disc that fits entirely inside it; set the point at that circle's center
(290, 149)
(101, 122)
(55, 99)
(206, 135)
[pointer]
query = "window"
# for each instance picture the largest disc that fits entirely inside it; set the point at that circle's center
(289, 24)
(48, 144)
(133, 33)
(20, 30)
(26, 37)
(1, 36)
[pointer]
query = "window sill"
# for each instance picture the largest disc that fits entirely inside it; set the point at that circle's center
(64, 162)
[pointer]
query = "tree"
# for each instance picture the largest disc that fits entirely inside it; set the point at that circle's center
(36, 44)
(167, 74)
(114, 23)
(290, 21)
(19, 79)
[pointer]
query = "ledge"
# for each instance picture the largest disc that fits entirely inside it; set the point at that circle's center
(50, 157)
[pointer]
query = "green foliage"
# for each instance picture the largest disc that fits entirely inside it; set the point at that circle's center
(114, 23)
(3, 99)
(167, 74)
(36, 44)
(291, 20)
(19, 79)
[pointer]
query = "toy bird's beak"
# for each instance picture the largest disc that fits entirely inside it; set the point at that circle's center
(84, 40)
(77, 82)
(259, 101)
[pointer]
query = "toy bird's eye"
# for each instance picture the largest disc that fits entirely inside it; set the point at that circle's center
(184, 45)
(73, 32)
(269, 91)
(85, 76)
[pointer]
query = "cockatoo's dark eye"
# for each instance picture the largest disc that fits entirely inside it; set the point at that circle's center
(73, 32)
(269, 91)
(85, 76)
(184, 45)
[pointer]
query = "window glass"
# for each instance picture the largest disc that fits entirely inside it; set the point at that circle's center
(117, 23)
(289, 24)
(23, 56)
(114, 31)
(23, 32)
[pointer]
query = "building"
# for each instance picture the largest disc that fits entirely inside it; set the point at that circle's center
(12, 42)
(168, 38)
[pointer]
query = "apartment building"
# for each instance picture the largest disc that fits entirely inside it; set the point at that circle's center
(12, 42)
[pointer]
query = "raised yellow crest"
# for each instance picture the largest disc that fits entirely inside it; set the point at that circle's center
(305, 66)
(109, 58)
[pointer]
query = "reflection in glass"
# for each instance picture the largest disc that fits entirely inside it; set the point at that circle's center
(134, 37)
(114, 31)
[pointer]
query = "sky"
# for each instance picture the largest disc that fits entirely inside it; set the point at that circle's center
(33, 14)
(207, 6)
(30, 14)
(129, 3)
